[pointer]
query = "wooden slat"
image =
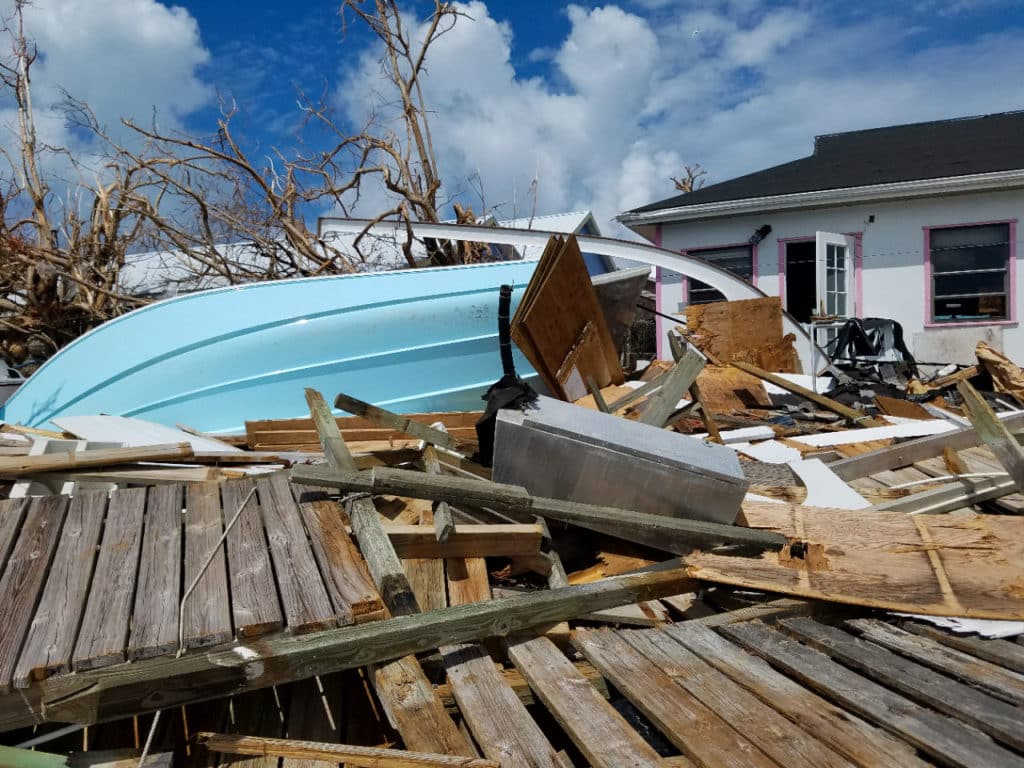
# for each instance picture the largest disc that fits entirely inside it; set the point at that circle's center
(860, 742)
(345, 574)
(597, 730)
(16, 466)
(693, 727)
(469, 540)
(992, 678)
(307, 607)
(467, 580)
(993, 432)
(942, 738)
(54, 628)
(426, 577)
(451, 420)
(12, 512)
(158, 596)
(254, 603)
(994, 717)
(663, 403)
(395, 421)
(207, 615)
(23, 577)
(1002, 652)
(104, 632)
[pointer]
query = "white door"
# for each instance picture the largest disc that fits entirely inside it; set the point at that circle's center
(833, 258)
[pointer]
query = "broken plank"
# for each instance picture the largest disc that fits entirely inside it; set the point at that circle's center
(23, 577)
(597, 730)
(663, 403)
(993, 432)
(207, 613)
(945, 739)
(443, 522)
(157, 598)
(470, 540)
(51, 637)
(397, 422)
(368, 757)
(825, 402)
(15, 466)
(307, 608)
(124, 690)
(863, 744)
(255, 607)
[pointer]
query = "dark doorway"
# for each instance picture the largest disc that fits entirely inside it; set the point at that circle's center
(801, 280)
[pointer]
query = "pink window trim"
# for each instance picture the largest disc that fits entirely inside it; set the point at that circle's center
(858, 268)
(659, 328)
(1011, 297)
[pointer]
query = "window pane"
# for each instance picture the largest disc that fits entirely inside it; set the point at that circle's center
(701, 293)
(956, 237)
(841, 280)
(967, 257)
(971, 308)
(737, 260)
(984, 282)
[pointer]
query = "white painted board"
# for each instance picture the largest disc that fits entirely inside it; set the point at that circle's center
(914, 428)
(136, 433)
(825, 488)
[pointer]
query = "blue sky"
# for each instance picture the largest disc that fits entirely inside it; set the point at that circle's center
(598, 102)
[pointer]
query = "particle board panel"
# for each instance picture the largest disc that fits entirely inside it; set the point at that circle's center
(24, 574)
(941, 738)
(51, 636)
(104, 632)
(862, 743)
(255, 607)
(158, 596)
(207, 614)
(598, 731)
(346, 576)
(307, 608)
(963, 565)
(699, 732)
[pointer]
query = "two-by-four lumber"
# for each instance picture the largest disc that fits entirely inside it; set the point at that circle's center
(861, 743)
(695, 727)
(23, 577)
(206, 619)
(604, 738)
(663, 403)
(307, 608)
(365, 757)
(158, 683)
(335, 450)
(660, 531)
(51, 637)
(470, 540)
(16, 466)
(395, 421)
(254, 602)
(158, 595)
(942, 738)
(104, 631)
(1005, 653)
(996, 718)
(993, 432)
(443, 522)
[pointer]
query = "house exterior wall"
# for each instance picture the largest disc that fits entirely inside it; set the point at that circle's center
(890, 275)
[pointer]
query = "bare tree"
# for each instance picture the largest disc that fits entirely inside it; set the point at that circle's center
(692, 179)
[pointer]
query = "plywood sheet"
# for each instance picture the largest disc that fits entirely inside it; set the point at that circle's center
(749, 331)
(724, 389)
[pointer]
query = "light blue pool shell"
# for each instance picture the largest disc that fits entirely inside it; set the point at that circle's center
(411, 341)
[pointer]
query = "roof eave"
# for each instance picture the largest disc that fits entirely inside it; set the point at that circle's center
(980, 182)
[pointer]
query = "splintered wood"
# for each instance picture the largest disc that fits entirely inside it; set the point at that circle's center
(967, 565)
(748, 331)
(560, 328)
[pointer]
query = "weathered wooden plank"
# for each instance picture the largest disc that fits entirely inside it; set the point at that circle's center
(597, 730)
(426, 577)
(12, 512)
(992, 678)
(994, 717)
(663, 403)
(16, 466)
(993, 432)
(158, 595)
(255, 607)
(691, 725)
(941, 738)
(420, 541)
(396, 421)
(348, 581)
(1002, 652)
(167, 682)
(307, 607)
(858, 741)
(54, 628)
(335, 450)
(104, 632)
(207, 613)
(24, 575)
(368, 757)
(444, 524)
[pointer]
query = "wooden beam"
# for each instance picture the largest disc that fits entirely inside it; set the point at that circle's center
(443, 522)
(825, 402)
(669, 534)
(12, 467)
(678, 382)
(396, 421)
(335, 450)
(160, 683)
(993, 432)
(419, 541)
(367, 757)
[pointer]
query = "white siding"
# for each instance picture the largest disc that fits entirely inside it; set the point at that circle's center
(893, 276)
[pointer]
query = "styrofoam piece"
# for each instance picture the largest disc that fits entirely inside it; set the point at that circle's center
(135, 433)
(913, 428)
(825, 488)
(824, 383)
(989, 628)
(757, 497)
(772, 452)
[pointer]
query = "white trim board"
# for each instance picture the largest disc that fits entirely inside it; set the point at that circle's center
(916, 428)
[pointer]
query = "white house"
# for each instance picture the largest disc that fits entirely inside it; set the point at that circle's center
(917, 223)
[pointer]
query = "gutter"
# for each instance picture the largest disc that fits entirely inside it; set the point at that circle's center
(980, 182)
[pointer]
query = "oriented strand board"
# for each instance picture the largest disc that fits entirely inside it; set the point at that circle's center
(749, 331)
(941, 565)
(724, 389)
